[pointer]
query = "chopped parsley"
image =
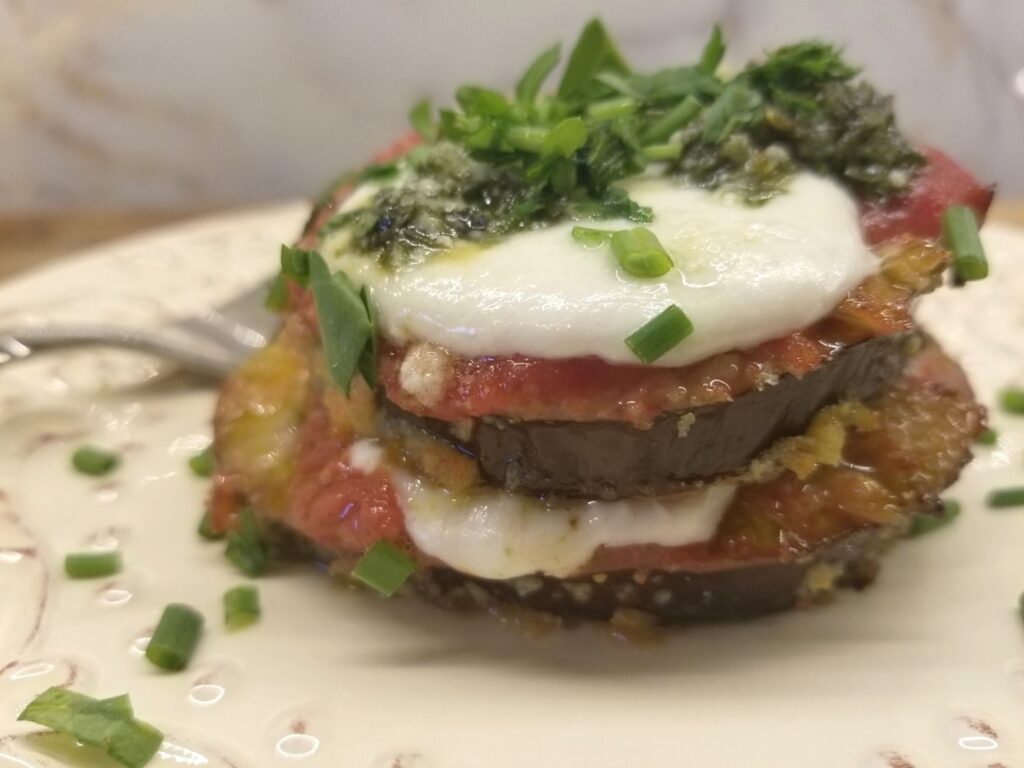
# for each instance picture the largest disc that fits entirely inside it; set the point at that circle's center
(495, 163)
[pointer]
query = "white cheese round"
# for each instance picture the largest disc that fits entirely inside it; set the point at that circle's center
(500, 535)
(743, 274)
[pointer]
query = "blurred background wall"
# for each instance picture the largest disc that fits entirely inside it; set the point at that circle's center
(155, 104)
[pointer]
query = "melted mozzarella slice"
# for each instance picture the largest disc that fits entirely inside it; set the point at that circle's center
(499, 535)
(743, 274)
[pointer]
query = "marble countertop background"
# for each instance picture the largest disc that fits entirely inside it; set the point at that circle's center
(170, 104)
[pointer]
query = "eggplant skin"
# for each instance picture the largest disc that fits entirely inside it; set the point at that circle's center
(666, 597)
(613, 460)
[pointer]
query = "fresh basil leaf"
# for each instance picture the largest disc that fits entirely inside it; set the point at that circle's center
(713, 52)
(345, 326)
(421, 117)
(530, 83)
(594, 52)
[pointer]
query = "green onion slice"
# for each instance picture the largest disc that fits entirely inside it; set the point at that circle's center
(241, 607)
(660, 334)
(346, 327)
(421, 117)
(589, 237)
(1012, 400)
(107, 725)
(923, 524)
(530, 83)
(90, 460)
(987, 437)
(277, 295)
(663, 152)
(202, 464)
(384, 568)
(609, 109)
(176, 637)
(960, 232)
(640, 253)
(1006, 497)
(245, 547)
(206, 529)
(92, 565)
(680, 115)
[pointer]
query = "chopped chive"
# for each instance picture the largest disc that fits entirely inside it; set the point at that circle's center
(529, 84)
(923, 524)
(639, 253)
(589, 237)
(107, 725)
(421, 118)
(90, 460)
(680, 115)
(1006, 497)
(660, 334)
(345, 324)
(609, 109)
(295, 263)
(92, 565)
(176, 636)
(241, 607)
(960, 232)
(277, 294)
(384, 568)
(1012, 400)
(713, 52)
(528, 138)
(987, 437)
(206, 529)
(202, 464)
(594, 52)
(245, 548)
(660, 152)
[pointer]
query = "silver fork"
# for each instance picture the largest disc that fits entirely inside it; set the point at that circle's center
(211, 343)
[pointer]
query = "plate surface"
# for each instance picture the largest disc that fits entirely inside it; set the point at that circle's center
(924, 669)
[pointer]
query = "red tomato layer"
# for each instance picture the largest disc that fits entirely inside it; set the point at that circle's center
(587, 389)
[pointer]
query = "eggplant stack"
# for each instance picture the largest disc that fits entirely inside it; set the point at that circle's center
(640, 347)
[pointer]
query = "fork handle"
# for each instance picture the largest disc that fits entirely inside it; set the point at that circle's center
(20, 343)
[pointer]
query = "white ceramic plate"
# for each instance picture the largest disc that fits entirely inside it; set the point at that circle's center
(925, 669)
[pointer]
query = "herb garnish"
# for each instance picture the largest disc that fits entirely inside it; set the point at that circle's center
(175, 638)
(922, 524)
(346, 321)
(384, 568)
(659, 334)
(245, 546)
(241, 607)
(90, 460)
(105, 724)
(494, 164)
(92, 565)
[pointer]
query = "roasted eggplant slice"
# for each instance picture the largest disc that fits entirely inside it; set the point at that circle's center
(612, 460)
